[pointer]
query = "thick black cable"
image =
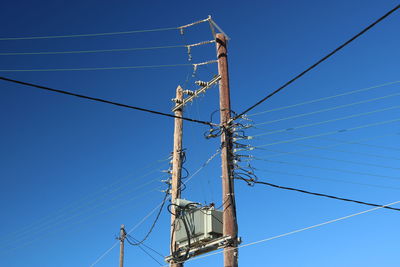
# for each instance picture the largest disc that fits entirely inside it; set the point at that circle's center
(102, 100)
(325, 195)
(319, 61)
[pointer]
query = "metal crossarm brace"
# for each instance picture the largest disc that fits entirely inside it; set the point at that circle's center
(197, 92)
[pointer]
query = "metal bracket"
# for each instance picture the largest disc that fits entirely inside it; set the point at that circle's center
(204, 248)
(197, 92)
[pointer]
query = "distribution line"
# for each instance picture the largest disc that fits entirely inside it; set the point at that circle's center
(328, 147)
(324, 98)
(319, 61)
(83, 210)
(65, 227)
(328, 109)
(358, 142)
(98, 68)
(294, 232)
(105, 50)
(338, 160)
(325, 121)
(90, 198)
(328, 179)
(324, 195)
(329, 169)
(330, 133)
(99, 34)
(90, 51)
(102, 100)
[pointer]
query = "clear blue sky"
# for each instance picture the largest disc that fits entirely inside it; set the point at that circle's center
(72, 171)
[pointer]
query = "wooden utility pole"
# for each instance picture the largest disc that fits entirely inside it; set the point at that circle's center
(176, 167)
(122, 235)
(228, 194)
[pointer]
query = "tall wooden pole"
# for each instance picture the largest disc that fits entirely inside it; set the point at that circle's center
(122, 235)
(228, 194)
(176, 168)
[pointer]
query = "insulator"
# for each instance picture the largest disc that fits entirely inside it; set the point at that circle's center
(167, 171)
(176, 100)
(168, 181)
(188, 92)
(201, 83)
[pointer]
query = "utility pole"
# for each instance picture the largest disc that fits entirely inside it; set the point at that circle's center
(122, 235)
(228, 194)
(176, 167)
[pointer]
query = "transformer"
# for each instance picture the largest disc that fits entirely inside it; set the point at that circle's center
(203, 225)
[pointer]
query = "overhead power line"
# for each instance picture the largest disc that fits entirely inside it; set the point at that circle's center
(105, 50)
(328, 109)
(102, 34)
(319, 61)
(90, 51)
(325, 121)
(102, 100)
(324, 98)
(325, 195)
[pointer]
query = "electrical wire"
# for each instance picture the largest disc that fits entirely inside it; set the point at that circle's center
(329, 179)
(320, 61)
(88, 199)
(100, 34)
(329, 169)
(335, 159)
(89, 51)
(331, 133)
(324, 98)
(329, 148)
(97, 68)
(154, 222)
(142, 249)
(130, 231)
(326, 121)
(324, 195)
(101, 100)
(327, 109)
(69, 226)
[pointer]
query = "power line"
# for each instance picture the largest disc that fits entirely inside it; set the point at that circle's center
(142, 249)
(102, 100)
(102, 34)
(90, 51)
(329, 169)
(98, 68)
(337, 150)
(328, 109)
(293, 232)
(328, 179)
(319, 61)
(338, 160)
(326, 121)
(105, 50)
(325, 195)
(324, 98)
(88, 199)
(330, 133)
